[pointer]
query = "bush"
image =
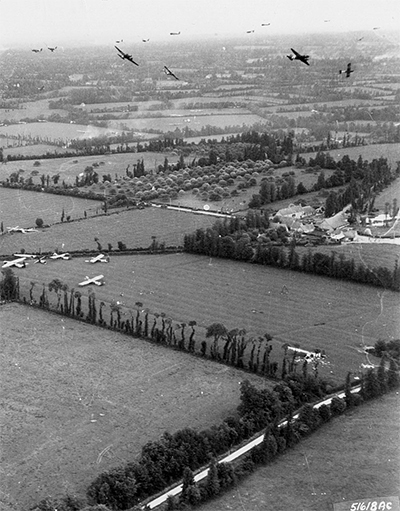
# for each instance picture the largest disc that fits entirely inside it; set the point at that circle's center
(39, 222)
(338, 406)
(325, 413)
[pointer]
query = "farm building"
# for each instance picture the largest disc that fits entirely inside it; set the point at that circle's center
(296, 212)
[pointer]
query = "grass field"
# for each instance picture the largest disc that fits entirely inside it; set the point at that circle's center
(163, 124)
(353, 457)
(54, 131)
(22, 207)
(317, 312)
(135, 228)
(368, 152)
(33, 150)
(78, 400)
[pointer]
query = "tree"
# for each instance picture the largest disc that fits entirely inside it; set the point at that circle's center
(39, 222)
(212, 483)
(216, 330)
(8, 285)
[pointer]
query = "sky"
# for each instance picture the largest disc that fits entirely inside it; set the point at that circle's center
(52, 22)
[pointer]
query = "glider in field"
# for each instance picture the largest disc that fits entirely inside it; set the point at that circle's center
(298, 56)
(347, 71)
(64, 256)
(170, 73)
(21, 229)
(101, 258)
(19, 263)
(40, 260)
(95, 280)
(122, 55)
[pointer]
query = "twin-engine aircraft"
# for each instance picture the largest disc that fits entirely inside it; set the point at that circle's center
(101, 258)
(347, 71)
(298, 56)
(35, 50)
(122, 55)
(170, 73)
(95, 280)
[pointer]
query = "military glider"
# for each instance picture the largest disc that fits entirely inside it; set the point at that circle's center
(37, 51)
(95, 280)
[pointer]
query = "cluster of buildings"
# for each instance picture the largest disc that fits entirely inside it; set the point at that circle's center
(309, 226)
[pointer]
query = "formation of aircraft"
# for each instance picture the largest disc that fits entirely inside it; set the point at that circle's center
(298, 56)
(95, 280)
(122, 55)
(347, 71)
(21, 229)
(170, 73)
(37, 51)
(101, 258)
(66, 256)
(18, 263)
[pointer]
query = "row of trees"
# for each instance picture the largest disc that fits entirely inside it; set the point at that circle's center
(177, 456)
(257, 246)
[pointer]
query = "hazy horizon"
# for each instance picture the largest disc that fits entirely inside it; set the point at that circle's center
(37, 23)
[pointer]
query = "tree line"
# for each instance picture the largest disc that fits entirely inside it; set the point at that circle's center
(250, 240)
(177, 456)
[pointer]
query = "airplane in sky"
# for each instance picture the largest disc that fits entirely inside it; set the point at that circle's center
(120, 41)
(145, 40)
(21, 229)
(36, 50)
(64, 256)
(169, 73)
(249, 31)
(19, 263)
(101, 258)
(265, 24)
(52, 49)
(174, 33)
(122, 55)
(95, 280)
(347, 71)
(298, 56)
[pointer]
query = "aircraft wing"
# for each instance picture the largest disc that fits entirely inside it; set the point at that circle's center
(122, 53)
(85, 282)
(295, 52)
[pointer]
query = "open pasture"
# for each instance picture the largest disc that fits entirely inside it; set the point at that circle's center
(163, 124)
(30, 110)
(367, 152)
(23, 207)
(316, 312)
(70, 167)
(55, 131)
(370, 255)
(135, 228)
(78, 400)
(353, 457)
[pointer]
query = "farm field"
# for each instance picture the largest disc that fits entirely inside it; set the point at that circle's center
(368, 152)
(31, 150)
(134, 228)
(30, 110)
(369, 254)
(189, 287)
(353, 457)
(22, 207)
(78, 400)
(54, 130)
(163, 124)
(68, 168)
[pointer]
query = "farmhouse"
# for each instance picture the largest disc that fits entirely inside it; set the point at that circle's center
(297, 212)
